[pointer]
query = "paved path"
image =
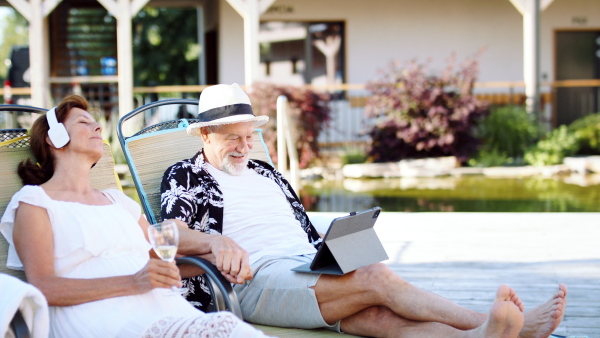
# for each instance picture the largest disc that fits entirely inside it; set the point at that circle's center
(465, 256)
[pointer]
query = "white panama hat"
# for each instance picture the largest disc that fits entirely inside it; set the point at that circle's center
(224, 104)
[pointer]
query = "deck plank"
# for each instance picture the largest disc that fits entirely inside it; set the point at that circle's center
(465, 256)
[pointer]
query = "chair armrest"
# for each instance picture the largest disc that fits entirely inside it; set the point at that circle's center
(18, 325)
(224, 297)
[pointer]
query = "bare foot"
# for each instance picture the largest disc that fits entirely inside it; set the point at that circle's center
(506, 316)
(541, 321)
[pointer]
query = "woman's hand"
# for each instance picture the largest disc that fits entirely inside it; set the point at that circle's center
(156, 274)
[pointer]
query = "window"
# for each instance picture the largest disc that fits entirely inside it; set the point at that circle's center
(298, 53)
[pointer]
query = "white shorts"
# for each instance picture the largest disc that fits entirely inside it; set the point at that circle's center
(277, 296)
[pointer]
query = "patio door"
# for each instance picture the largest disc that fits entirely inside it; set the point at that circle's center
(577, 55)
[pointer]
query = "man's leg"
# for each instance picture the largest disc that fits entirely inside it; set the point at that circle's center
(342, 296)
(505, 320)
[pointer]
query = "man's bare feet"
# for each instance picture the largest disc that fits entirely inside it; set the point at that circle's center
(541, 321)
(505, 319)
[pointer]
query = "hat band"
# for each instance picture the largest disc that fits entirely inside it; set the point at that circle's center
(225, 111)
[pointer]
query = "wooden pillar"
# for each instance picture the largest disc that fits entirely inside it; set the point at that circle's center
(36, 12)
(531, 55)
(531, 12)
(250, 11)
(123, 11)
(202, 44)
(124, 57)
(39, 75)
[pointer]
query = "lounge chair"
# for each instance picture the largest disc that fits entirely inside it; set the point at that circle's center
(151, 150)
(14, 148)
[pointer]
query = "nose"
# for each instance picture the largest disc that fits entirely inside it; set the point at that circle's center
(244, 146)
(98, 127)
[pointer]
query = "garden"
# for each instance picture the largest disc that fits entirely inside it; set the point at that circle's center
(420, 114)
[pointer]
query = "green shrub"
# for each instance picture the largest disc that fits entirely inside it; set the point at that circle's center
(490, 158)
(354, 156)
(588, 133)
(506, 133)
(558, 144)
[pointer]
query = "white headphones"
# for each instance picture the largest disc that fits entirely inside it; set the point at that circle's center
(58, 133)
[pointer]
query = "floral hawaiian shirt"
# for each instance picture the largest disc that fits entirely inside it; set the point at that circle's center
(189, 193)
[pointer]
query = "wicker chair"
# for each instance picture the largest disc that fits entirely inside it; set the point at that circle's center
(14, 148)
(171, 143)
(149, 152)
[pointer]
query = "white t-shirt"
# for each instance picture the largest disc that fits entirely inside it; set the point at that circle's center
(258, 216)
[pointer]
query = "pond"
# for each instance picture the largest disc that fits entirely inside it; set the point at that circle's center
(574, 193)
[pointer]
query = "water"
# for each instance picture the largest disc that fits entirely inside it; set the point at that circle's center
(576, 193)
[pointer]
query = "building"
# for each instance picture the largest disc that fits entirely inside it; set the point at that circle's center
(347, 41)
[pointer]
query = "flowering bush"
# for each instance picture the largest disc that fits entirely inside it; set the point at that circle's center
(423, 115)
(309, 112)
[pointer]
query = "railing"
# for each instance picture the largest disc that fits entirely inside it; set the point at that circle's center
(510, 86)
(348, 126)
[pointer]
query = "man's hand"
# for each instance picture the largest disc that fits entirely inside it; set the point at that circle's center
(230, 259)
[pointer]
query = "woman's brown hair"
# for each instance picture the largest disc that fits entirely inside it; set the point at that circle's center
(32, 173)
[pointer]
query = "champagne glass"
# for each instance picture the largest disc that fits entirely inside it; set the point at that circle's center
(164, 237)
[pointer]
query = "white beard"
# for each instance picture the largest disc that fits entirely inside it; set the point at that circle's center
(235, 169)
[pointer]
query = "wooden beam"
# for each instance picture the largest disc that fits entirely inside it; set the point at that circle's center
(239, 6)
(136, 6)
(544, 4)
(519, 5)
(23, 7)
(263, 5)
(85, 79)
(49, 6)
(522, 5)
(111, 7)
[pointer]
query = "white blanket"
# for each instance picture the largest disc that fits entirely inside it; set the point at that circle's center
(18, 295)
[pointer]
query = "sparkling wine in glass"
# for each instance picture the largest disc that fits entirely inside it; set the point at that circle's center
(164, 237)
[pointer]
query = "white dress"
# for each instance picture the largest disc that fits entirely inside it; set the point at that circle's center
(93, 241)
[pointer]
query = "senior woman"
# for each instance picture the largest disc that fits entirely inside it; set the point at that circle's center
(88, 251)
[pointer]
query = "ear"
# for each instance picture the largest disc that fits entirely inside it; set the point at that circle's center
(204, 134)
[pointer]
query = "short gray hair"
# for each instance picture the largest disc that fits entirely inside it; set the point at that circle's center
(212, 128)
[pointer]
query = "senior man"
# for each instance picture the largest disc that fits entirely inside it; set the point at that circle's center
(259, 231)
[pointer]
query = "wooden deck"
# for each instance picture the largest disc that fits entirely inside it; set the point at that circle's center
(465, 256)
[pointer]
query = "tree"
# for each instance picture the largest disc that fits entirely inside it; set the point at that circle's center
(165, 47)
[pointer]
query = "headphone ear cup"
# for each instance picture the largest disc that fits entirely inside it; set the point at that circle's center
(58, 135)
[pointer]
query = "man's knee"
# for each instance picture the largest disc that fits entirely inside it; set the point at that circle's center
(377, 314)
(378, 274)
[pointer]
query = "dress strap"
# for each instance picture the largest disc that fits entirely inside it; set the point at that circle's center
(109, 196)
